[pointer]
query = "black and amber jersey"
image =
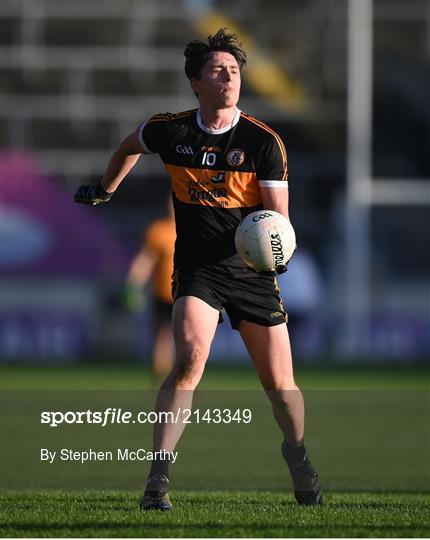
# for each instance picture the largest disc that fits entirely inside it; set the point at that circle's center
(216, 176)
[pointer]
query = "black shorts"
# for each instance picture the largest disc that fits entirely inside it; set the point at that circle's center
(162, 312)
(248, 296)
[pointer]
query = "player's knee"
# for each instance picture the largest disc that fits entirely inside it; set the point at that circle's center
(275, 385)
(284, 397)
(190, 362)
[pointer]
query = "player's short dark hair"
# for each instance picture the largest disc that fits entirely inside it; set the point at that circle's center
(197, 53)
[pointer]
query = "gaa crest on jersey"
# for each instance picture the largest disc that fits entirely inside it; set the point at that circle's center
(235, 157)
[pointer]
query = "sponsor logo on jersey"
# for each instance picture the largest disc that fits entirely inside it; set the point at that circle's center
(206, 195)
(235, 157)
(183, 149)
(277, 252)
(219, 178)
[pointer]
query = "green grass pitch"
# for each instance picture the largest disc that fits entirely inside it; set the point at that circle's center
(215, 498)
(216, 514)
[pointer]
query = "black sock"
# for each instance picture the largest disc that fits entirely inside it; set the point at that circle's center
(159, 466)
(294, 456)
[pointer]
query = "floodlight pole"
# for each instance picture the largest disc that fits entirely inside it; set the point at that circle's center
(359, 174)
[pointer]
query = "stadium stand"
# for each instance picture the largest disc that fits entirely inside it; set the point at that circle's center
(79, 75)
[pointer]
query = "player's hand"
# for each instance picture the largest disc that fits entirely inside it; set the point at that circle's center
(134, 298)
(92, 195)
(281, 269)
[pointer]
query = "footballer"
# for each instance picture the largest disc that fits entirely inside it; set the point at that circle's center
(223, 164)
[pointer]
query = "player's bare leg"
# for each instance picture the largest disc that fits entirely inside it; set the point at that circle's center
(270, 350)
(162, 354)
(194, 324)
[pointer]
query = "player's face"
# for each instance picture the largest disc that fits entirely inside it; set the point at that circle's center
(219, 83)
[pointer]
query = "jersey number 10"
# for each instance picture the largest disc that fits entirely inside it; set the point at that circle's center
(209, 158)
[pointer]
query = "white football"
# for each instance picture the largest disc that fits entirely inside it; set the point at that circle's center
(265, 239)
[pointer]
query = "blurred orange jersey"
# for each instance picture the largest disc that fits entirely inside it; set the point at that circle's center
(160, 239)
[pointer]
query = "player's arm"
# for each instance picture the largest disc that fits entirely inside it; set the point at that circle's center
(272, 175)
(275, 198)
(141, 269)
(122, 161)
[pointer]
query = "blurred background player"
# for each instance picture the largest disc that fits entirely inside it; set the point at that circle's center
(153, 264)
